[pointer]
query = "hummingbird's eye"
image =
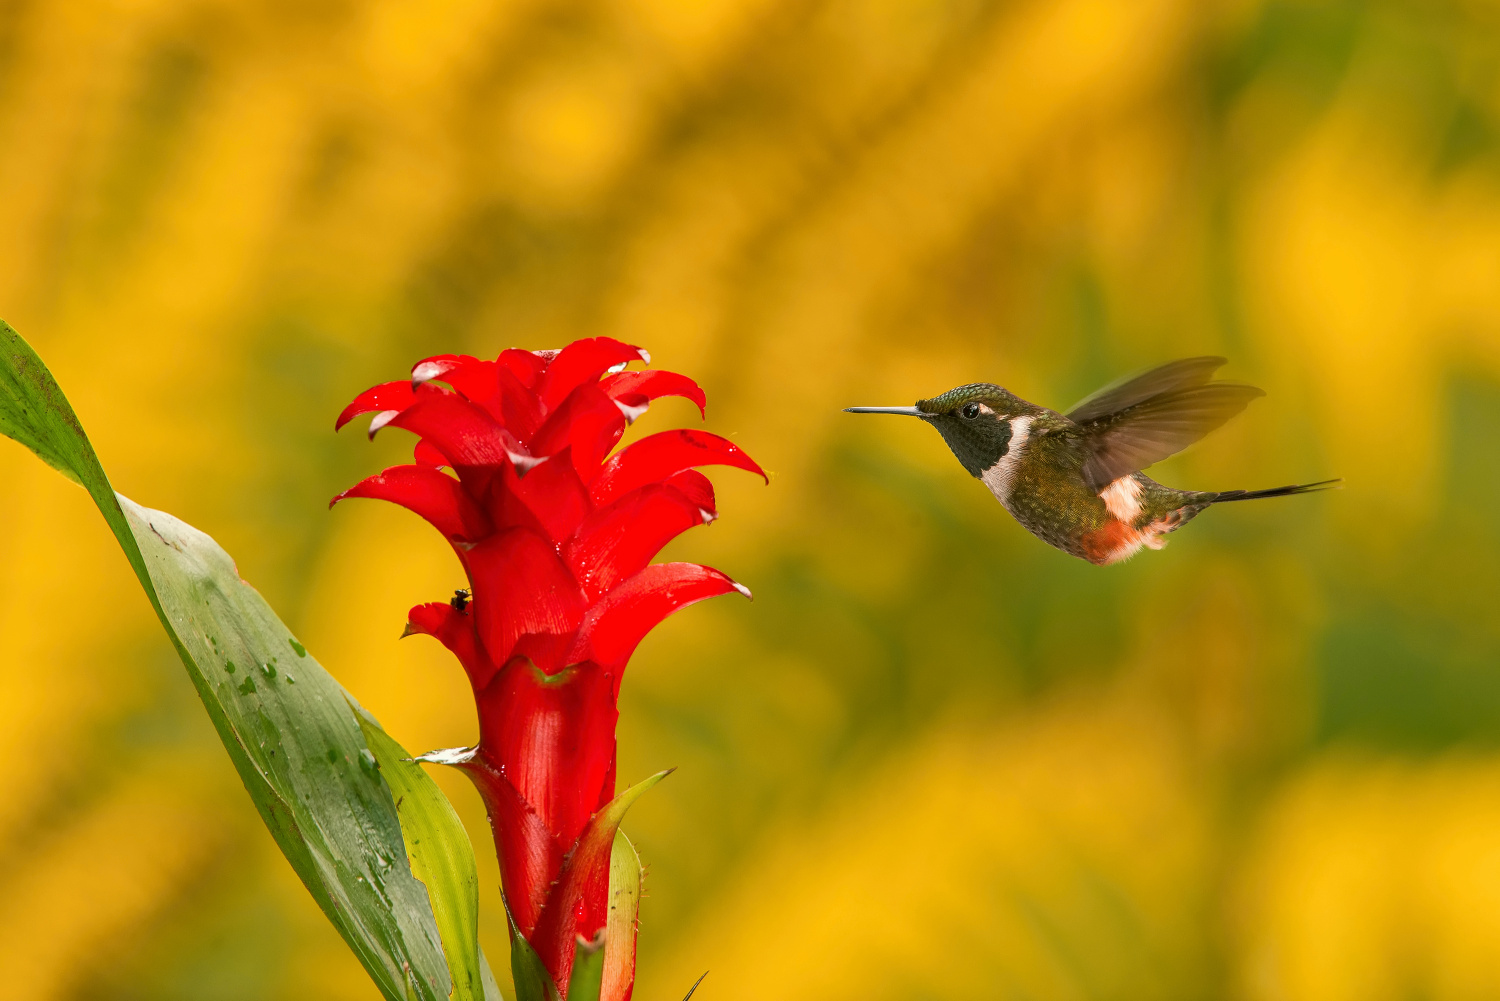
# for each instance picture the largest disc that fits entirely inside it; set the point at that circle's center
(970, 411)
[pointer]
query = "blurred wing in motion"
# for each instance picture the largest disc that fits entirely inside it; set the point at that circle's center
(1129, 426)
(1133, 389)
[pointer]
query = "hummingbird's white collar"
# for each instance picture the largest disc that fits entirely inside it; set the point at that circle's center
(1002, 475)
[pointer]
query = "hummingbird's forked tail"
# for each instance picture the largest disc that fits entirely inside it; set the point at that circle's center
(1300, 488)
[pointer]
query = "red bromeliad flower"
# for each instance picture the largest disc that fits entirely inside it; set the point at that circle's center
(556, 536)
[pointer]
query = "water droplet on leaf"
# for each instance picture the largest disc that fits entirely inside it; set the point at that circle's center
(297, 648)
(229, 666)
(247, 687)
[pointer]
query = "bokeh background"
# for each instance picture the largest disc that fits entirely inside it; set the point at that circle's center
(934, 759)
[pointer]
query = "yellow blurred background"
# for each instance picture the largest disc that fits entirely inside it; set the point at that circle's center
(934, 759)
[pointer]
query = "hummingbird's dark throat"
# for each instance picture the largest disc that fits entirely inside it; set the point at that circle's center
(978, 443)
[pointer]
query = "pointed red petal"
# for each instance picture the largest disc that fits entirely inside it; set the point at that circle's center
(477, 381)
(500, 387)
(425, 454)
(652, 384)
(618, 541)
(617, 623)
(530, 854)
(695, 487)
(430, 494)
(589, 422)
(454, 630)
(386, 396)
(658, 456)
(526, 366)
(438, 367)
(520, 410)
(550, 498)
(521, 586)
(462, 431)
(553, 738)
(583, 361)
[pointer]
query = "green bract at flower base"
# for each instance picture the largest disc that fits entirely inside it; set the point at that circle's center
(291, 730)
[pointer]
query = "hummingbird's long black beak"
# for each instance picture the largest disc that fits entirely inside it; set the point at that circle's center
(905, 411)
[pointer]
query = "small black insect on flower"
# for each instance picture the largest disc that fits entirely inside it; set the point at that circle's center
(460, 600)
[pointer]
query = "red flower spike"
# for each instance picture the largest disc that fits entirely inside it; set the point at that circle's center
(659, 456)
(556, 538)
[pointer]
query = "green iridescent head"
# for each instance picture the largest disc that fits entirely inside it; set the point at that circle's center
(975, 421)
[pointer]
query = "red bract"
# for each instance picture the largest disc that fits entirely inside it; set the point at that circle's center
(557, 537)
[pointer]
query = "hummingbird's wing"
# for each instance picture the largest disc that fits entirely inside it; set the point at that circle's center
(1153, 427)
(1133, 389)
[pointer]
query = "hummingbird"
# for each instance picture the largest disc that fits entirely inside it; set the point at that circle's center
(1074, 480)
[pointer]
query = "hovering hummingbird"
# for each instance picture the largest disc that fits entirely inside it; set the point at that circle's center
(1074, 480)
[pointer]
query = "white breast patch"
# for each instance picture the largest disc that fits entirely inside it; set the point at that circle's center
(1122, 499)
(1001, 476)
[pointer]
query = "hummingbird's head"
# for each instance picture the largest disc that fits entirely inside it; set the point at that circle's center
(975, 421)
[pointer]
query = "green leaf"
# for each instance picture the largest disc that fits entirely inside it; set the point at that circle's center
(285, 722)
(441, 857)
(487, 980)
(624, 905)
(533, 982)
(588, 969)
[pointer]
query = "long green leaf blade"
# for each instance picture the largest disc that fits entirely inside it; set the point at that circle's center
(284, 720)
(441, 857)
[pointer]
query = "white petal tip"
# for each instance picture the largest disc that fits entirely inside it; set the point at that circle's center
(743, 590)
(709, 517)
(426, 371)
(449, 755)
(381, 419)
(645, 355)
(616, 369)
(525, 463)
(631, 414)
